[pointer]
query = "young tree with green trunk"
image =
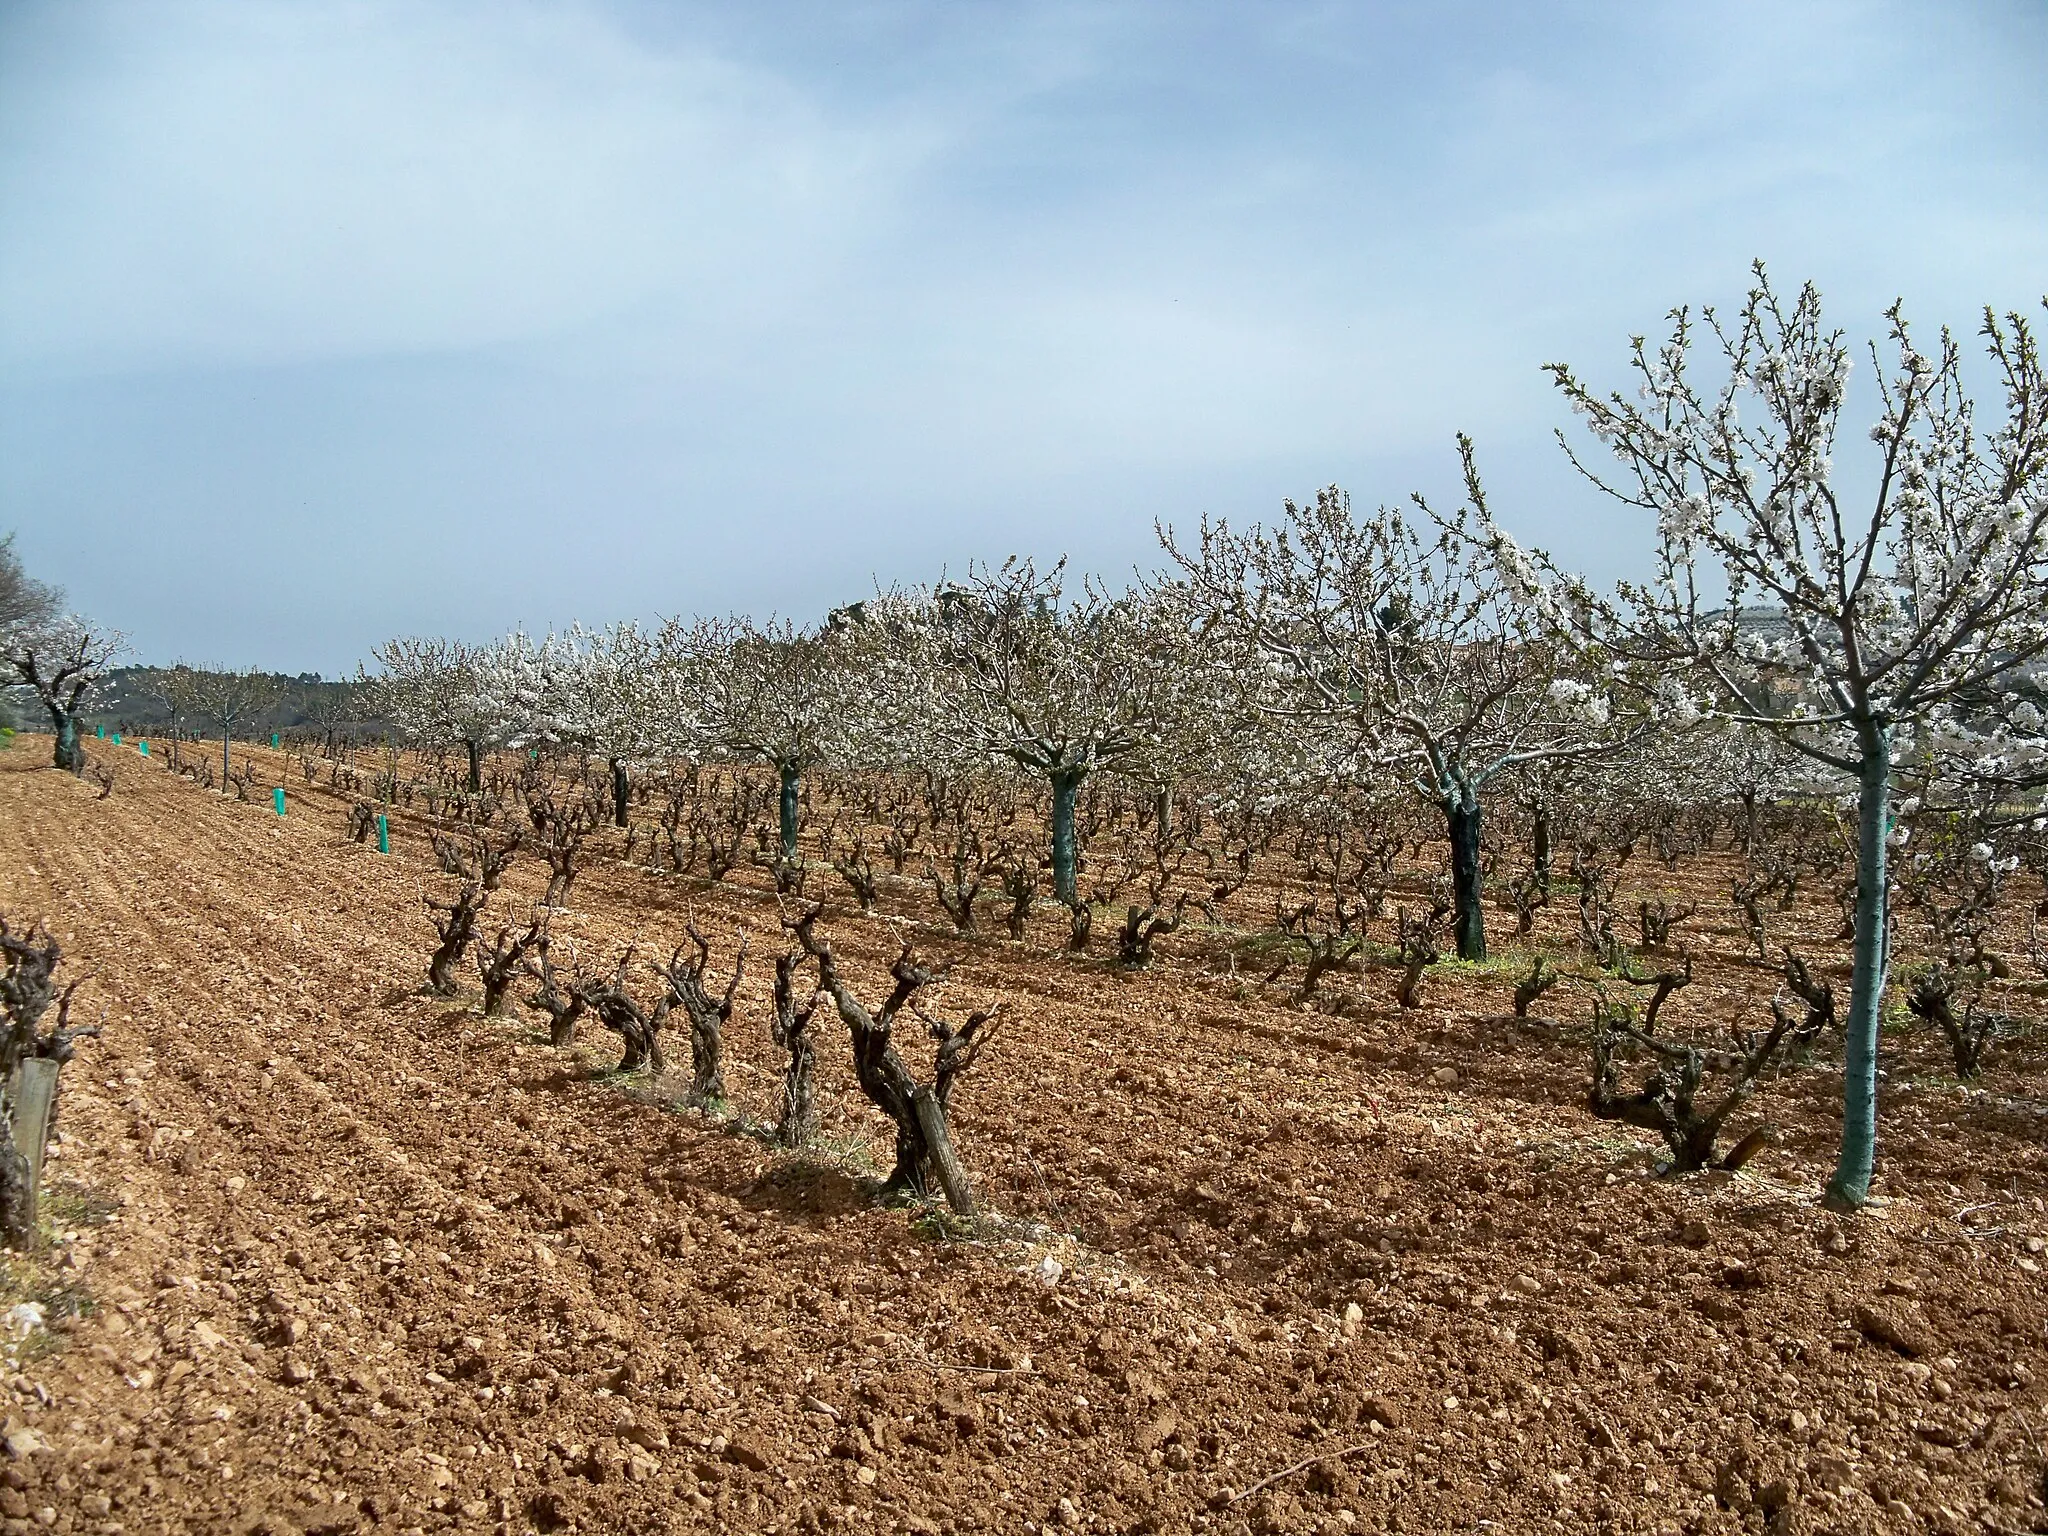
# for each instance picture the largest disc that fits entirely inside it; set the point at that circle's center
(227, 699)
(1395, 649)
(170, 687)
(1851, 633)
(330, 706)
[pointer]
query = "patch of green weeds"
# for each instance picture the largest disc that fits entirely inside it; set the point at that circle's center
(34, 1278)
(1265, 946)
(823, 1157)
(935, 1222)
(67, 1205)
(1501, 964)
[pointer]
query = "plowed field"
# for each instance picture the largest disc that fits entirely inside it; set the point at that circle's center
(333, 1255)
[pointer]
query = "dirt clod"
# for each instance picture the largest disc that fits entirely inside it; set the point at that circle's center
(1892, 1324)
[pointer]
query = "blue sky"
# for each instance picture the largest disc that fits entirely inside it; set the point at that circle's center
(324, 322)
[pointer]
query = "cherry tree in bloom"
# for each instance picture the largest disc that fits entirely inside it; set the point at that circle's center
(1854, 634)
(595, 690)
(60, 659)
(1009, 666)
(1401, 649)
(774, 692)
(430, 688)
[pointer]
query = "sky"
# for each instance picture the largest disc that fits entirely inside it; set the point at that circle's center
(326, 322)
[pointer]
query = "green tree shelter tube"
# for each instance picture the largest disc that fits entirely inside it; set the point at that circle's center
(1850, 1186)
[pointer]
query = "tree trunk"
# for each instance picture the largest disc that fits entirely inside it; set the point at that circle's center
(227, 767)
(707, 1059)
(1066, 786)
(70, 755)
(1162, 811)
(32, 1101)
(1850, 1186)
(890, 1088)
(945, 1162)
(622, 788)
(1468, 920)
(562, 1021)
(446, 960)
(476, 765)
(1539, 852)
(17, 1198)
(792, 780)
(798, 1122)
(923, 1138)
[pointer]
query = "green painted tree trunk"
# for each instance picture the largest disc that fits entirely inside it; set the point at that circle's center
(1468, 915)
(227, 766)
(792, 782)
(70, 755)
(622, 789)
(476, 765)
(1066, 787)
(1850, 1186)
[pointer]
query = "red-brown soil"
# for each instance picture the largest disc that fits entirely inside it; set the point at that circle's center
(333, 1255)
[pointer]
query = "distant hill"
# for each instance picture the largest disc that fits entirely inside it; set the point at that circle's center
(122, 703)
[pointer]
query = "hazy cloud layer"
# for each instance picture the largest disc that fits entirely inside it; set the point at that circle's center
(320, 322)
